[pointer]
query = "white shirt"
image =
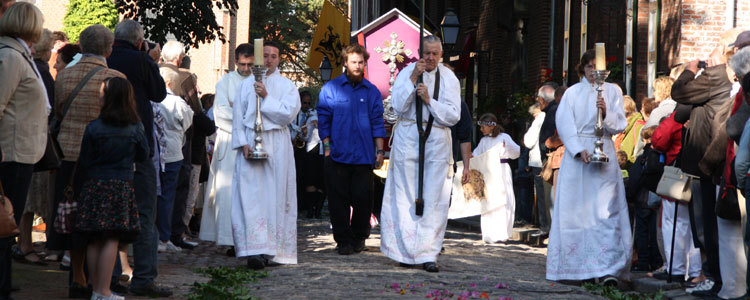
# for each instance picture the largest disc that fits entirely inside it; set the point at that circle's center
(531, 141)
(178, 117)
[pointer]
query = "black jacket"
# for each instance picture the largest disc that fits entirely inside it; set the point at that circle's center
(706, 93)
(202, 127)
(548, 128)
(143, 74)
(49, 82)
(461, 132)
(736, 123)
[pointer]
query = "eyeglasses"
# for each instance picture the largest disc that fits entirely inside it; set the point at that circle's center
(308, 103)
(486, 123)
(245, 65)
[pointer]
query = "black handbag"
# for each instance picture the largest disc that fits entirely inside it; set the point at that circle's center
(53, 154)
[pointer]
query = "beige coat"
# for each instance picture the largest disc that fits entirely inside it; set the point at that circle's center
(23, 107)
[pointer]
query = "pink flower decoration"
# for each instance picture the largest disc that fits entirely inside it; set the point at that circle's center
(501, 285)
(475, 294)
(473, 284)
(395, 286)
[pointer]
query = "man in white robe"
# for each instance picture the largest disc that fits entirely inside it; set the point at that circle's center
(216, 222)
(264, 203)
(406, 237)
(590, 235)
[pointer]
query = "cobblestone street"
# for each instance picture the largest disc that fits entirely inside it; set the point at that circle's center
(467, 266)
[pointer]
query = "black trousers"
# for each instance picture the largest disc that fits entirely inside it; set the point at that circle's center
(646, 243)
(16, 178)
(703, 225)
(180, 200)
(349, 186)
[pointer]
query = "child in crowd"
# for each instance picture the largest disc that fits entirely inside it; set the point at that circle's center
(497, 223)
(107, 212)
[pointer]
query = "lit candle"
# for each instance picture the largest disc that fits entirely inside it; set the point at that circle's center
(601, 58)
(258, 52)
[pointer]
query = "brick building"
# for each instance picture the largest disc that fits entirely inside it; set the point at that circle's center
(515, 42)
(209, 62)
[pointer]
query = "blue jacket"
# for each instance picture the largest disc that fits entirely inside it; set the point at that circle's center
(108, 152)
(351, 116)
(143, 74)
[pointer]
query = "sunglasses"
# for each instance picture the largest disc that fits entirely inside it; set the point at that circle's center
(486, 123)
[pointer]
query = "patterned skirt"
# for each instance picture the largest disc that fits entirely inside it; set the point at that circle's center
(107, 210)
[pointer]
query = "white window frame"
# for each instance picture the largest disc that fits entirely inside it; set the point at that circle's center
(653, 27)
(566, 43)
(584, 26)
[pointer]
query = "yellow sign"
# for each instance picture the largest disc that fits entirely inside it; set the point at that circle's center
(331, 36)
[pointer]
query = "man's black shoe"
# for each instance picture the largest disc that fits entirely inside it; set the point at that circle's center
(230, 252)
(76, 291)
(539, 234)
(151, 290)
(181, 243)
(256, 262)
(360, 246)
(345, 250)
(118, 288)
(430, 267)
(403, 265)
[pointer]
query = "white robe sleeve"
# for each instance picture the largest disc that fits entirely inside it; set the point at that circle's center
(447, 110)
(566, 125)
(283, 110)
(614, 122)
(531, 138)
(404, 91)
(511, 149)
(239, 139)
(480, 148)
(222, 103)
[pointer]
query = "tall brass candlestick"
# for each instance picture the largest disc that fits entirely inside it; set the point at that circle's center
(258, 152)
(599, 156)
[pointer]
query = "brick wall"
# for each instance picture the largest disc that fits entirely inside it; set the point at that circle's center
(539, 23)
(495, 40)
(702, 24)
(640, 80)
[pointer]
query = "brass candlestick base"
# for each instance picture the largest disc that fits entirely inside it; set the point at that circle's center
(258, 152)
(599, 156)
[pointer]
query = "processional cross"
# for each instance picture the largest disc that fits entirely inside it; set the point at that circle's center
(393, 53)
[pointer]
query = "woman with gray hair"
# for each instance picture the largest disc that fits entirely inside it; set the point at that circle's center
(23, 116)
(39, 201)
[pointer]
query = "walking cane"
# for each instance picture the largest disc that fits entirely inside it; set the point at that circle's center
(419, 209)
(674, 230)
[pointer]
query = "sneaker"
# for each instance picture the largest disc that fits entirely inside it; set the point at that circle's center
(705, 285)
(172, 247)
(151, 290)
(182, 244)
(189, 242)
(162, 247)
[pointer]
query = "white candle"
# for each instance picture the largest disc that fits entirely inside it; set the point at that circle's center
(601, 58)
(258, 52)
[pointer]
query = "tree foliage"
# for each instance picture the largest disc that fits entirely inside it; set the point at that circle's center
(190, 21)
(291, 24)
(84, 13)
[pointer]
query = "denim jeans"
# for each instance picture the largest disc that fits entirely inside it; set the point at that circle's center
(165, 205)
(144, 249)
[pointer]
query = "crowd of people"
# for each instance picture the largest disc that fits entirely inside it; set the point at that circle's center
(138, 140)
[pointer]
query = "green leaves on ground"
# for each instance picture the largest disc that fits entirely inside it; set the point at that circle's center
(225, 283)
(613, 293)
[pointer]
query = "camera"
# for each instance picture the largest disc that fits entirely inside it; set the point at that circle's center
(702, 64)
(147, 45)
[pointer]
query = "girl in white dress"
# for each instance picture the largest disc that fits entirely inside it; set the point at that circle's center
(497, 221)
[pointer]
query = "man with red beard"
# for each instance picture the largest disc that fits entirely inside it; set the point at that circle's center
(351, 126)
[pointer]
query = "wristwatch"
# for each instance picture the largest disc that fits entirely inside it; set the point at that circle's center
(380, 151)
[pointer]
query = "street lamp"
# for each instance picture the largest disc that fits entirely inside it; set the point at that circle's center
(325, 69)
(449, 27)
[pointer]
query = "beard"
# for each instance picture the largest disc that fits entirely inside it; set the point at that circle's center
(354, 79)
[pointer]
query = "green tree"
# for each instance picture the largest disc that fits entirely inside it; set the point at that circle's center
(190, 21)
(291, 24)
(84, 13)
